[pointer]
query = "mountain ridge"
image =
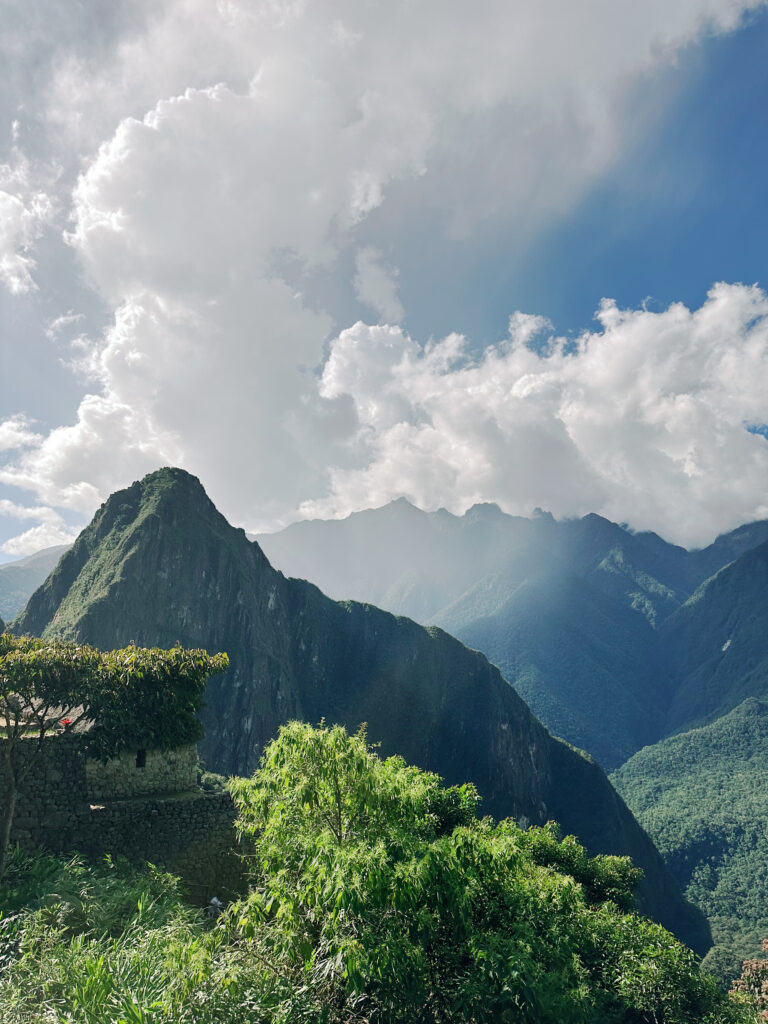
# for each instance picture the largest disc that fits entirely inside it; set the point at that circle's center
(591, 661)
(20, 578)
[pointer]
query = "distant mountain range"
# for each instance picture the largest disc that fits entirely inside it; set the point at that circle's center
(595, 626)
(21, 578)
(160, 565)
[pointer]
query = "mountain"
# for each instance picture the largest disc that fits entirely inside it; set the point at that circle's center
(21, 578)
(570, 611)
(160, 565)
(717, 643)
(586, 665)
(702, 797)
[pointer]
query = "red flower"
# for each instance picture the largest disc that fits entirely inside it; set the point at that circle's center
(66, 721)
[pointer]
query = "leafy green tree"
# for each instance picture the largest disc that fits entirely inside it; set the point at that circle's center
(377, 894)
(603, 878)
(149, 697)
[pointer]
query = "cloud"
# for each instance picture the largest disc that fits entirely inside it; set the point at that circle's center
(24, 212)
(217, 145)
(375, 285)
(645, 419)
(51, 529)
(61, 323)
(37, 538)
(16, 432)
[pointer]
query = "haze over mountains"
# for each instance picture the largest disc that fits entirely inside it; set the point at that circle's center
(595, 626)
(159, 565)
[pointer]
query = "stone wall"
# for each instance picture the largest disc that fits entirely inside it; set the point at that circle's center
(142, 773)
(52, 807)
(191, 834)
(65, 805)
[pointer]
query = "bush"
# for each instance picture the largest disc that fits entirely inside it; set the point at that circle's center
(367, 903)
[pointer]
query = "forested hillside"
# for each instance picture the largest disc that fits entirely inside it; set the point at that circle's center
(19, 579)
(717, 643)
(703, 798)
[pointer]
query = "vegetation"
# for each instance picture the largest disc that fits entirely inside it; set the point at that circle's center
(716, 644)
(702, 798)
(149, 697)
(98, 945)
(751, 988)
(376, 895)
(380, 896)
(131, 697)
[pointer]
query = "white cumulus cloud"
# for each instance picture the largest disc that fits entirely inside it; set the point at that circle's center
(49, 531)
(24, 211)
(16, 432)
(643, 419)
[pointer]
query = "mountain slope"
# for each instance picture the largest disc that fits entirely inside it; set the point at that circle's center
(579, 660)
(717, 643)
(160, 565)
(570, 611)
(703, 798)
(21, 578)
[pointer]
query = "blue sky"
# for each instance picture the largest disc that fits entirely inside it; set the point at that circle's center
(245, 239)
(686, 206)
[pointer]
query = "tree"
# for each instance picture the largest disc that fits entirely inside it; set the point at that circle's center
(752, 987)
(377, 894)
(130, 697)
(149, 697)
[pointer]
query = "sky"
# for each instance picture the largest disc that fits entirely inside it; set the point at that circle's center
(324, 254)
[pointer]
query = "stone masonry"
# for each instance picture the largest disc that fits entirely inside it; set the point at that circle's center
(144, 805)
(142, 773)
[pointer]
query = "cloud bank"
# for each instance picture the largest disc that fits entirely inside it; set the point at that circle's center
(644, 419)
(242, 180)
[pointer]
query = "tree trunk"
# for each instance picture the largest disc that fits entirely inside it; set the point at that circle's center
(9, 809)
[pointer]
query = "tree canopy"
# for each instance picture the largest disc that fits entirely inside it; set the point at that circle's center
(377, 894)
(149, 697)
